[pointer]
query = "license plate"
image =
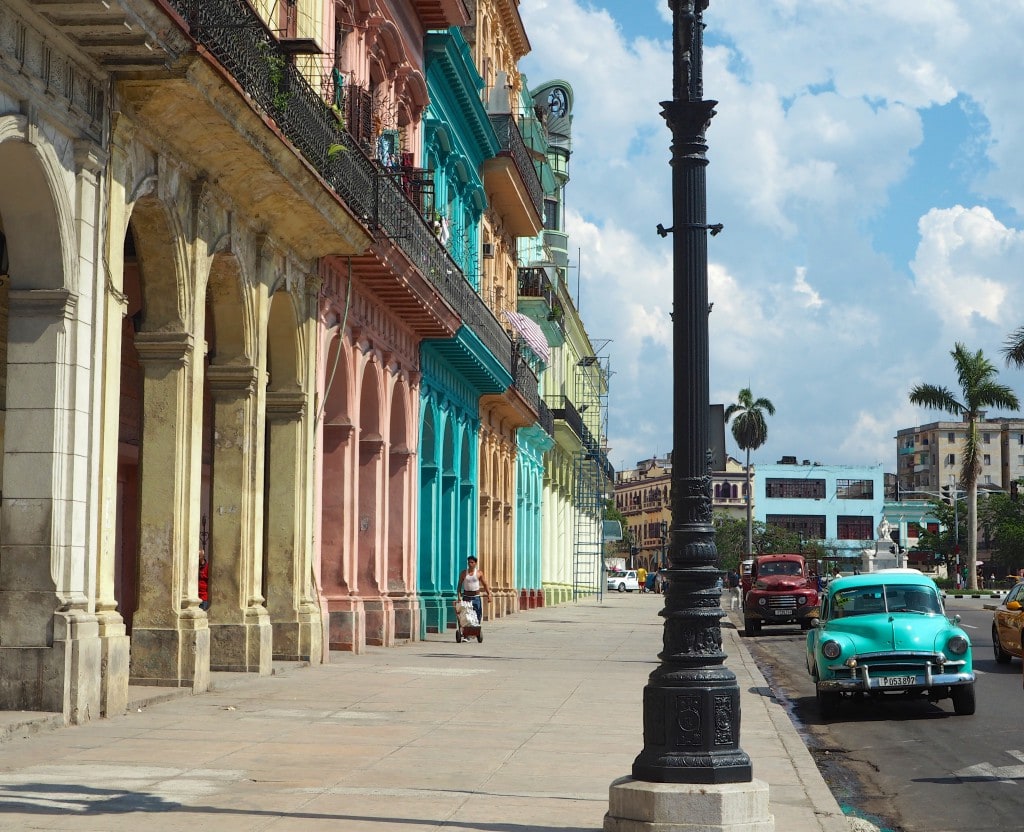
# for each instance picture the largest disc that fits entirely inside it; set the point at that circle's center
(784, 612)
(896, 681)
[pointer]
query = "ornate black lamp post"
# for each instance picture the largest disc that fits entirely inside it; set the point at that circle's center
(691, 701)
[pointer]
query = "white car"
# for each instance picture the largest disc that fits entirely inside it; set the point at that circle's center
(623, 581)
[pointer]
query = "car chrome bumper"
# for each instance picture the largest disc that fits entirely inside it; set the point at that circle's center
(864, 681)
(800, 614)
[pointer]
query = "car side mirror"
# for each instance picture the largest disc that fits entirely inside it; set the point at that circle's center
(1013, 605)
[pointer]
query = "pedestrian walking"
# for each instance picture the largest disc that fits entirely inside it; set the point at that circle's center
(735, 590)
(471, 583)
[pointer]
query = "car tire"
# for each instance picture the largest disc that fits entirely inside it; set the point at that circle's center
(622, 587)
(963, 699)
(828, 703)
(1002, 657)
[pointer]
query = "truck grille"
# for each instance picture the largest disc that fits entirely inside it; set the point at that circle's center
(781, 601)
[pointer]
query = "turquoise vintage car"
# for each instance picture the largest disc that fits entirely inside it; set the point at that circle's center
(885, 633)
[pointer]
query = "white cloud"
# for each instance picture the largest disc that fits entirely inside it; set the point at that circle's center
(823, 114)
(965, 264)
(812, 300)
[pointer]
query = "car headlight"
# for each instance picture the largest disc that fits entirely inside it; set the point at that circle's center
(957, 645)
(762, 601)
(831, 649)
(802, 600)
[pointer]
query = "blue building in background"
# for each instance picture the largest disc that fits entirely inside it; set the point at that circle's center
(837, 506)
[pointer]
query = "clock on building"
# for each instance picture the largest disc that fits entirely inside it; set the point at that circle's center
(558, 102)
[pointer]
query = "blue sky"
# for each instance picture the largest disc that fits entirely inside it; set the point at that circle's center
(864, 160)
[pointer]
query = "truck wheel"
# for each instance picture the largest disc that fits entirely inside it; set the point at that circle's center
(751, 627)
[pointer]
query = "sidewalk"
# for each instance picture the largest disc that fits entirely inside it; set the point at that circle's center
(525, 731)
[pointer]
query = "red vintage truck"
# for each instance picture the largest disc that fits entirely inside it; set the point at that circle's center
(779, 590)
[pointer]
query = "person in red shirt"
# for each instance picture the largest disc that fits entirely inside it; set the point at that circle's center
(204, 580)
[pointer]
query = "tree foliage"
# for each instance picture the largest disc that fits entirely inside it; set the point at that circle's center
(750, 430)
(979, 390)
(1002, 522)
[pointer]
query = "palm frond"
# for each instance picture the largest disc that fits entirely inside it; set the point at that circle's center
(936, 398)
(1013, 348)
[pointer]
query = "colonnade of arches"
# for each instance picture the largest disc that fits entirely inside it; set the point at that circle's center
(158, 368)
(369, 486)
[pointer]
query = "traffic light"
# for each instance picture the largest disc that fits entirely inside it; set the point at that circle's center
(947, 494)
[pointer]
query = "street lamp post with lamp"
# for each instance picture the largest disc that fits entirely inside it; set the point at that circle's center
(691, 765)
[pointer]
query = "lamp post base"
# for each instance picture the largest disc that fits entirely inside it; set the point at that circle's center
(639, 806)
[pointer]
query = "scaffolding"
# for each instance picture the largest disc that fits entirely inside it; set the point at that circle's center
(593, 476)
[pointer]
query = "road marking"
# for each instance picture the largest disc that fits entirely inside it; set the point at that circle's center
(987, 771)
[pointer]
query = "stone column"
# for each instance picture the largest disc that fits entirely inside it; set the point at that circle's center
(170, 638)
(291, 604)
(50, 654)
(115, 645)
(240, 631)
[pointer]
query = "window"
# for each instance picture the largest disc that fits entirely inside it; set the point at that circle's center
(855, 528)
(913, 530)
(986, 439)
(855, 489)
(811, 526)
(988, 479)
(551, 214)
(986, 459)
(951, 437)
(950, 459)
(799, 489)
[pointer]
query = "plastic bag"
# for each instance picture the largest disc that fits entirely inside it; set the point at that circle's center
(467, 614)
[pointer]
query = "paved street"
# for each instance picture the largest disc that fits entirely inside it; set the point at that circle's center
(525, 731)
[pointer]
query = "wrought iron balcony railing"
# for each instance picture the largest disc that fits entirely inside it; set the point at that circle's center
(534, 283)
(545, 419)
(241, 42)
(511, 140)
(526, 382)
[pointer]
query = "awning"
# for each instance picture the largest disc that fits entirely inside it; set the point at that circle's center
(532, 334)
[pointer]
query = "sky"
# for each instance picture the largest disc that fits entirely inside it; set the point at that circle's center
(865, 160)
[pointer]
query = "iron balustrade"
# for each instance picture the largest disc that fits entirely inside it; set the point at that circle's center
(511, 140)
(534, 283)
(526, 382)
(241, 42)
(545, 419)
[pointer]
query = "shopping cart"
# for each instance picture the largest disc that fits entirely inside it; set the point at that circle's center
(467, 624)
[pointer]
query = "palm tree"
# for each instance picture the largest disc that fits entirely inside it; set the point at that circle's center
(1013, 349)
(750, 431)
(979, 389)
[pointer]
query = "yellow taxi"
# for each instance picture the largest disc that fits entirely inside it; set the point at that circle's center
(1008, 625)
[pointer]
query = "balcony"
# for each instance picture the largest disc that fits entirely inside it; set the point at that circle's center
(512, 181)
(539, 301)
(242, 44)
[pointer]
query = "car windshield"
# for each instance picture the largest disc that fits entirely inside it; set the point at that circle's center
(864, 600)
(784, 567)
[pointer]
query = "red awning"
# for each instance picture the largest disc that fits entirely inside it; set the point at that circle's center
(531, 333)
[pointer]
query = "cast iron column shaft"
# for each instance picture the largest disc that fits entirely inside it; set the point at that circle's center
(691, 701)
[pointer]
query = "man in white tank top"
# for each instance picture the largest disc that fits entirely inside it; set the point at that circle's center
(471, 582)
